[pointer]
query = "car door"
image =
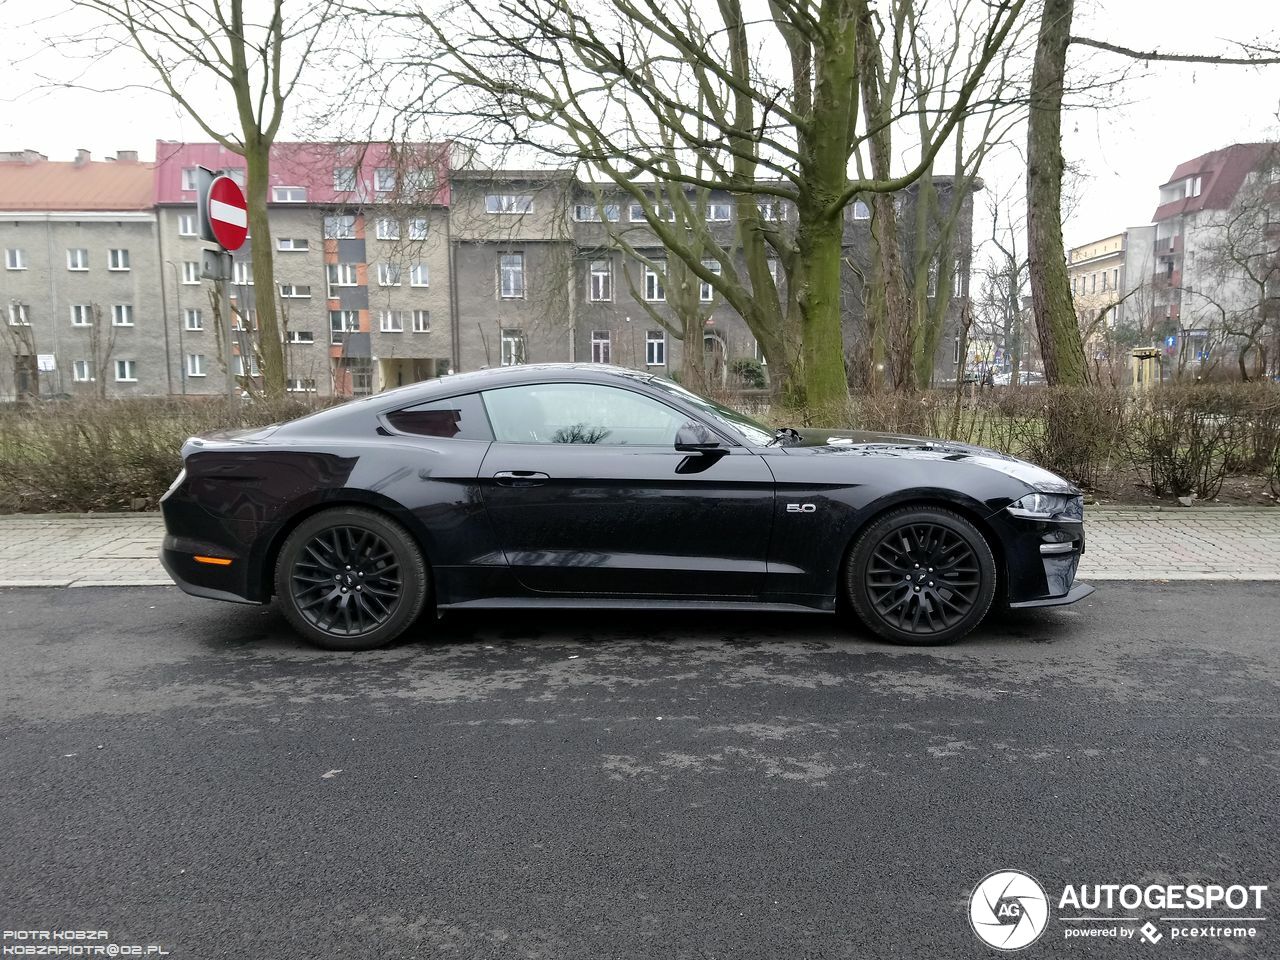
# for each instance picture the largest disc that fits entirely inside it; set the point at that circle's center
(588, 495)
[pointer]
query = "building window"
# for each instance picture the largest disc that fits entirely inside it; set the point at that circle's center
(418, 228)
(344, 179)
(931, 286)
(418, 275)
(77, 259)
(301, 336)
(601, 281)
(126, 371)
(511, 276)
(186, 224)
(339, 227)
(654, 291)
(288, 195)
(122, 315)
(190, 178)
(513, 352)
(600, 346)
(254, 369)
(190, 271)
(391, 321)
(661, 211)
(384, 179)
(19, 315)
(193, 319)
(719, 212)
(861, 211)
(1104, 281)
(196, 365)
(1093, 282)
(387, 228)
(81, 314)
(341, 275)
(591, 213)
(242, 273)
(15, 258)
(389, 274)
(81, 371)
(774, 210)
(301, 385)
(1115, 279)
(295, 291)
(292, 244)
(342, 322)
(422, 321)
(655, 348)
(707, 292)
(117, 259)
(419, 179)
(515, 203)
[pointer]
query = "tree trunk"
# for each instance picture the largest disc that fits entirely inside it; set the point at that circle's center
(258, 163)
(825, 386)
(1060, 344)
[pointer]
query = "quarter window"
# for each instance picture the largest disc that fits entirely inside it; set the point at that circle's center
(457, 418)
(580, 413)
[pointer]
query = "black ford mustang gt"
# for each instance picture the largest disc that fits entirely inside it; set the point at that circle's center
(592, 486)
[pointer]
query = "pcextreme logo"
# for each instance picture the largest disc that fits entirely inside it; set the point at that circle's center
(1010, 909)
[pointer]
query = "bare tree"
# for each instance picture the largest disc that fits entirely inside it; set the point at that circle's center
(191, 43)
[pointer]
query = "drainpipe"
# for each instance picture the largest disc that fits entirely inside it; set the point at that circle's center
(164, 311)
(455, 321)
(177, 313)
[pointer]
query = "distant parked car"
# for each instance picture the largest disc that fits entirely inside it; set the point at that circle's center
(1030, 378)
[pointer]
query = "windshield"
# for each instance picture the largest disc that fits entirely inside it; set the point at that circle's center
(752, 430)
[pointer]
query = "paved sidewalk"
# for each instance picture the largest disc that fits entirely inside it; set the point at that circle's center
(1206, 543)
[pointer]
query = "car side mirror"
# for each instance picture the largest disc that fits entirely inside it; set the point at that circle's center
(696, 438)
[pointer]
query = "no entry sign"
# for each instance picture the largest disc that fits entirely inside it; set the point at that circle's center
(228, 213)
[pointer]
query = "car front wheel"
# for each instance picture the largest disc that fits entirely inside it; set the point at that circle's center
(921, 576)
(351, 579)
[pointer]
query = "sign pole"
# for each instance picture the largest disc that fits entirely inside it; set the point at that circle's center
(224, 265)
(222, 217)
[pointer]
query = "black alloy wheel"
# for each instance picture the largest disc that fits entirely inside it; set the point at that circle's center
(921, 576)
(351, 579)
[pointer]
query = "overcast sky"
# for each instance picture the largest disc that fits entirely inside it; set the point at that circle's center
(1171, 113)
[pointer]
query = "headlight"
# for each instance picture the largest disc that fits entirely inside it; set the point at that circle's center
(1048, 506)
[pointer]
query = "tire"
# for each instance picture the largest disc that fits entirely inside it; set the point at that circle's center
(903, 597)
(379, 579)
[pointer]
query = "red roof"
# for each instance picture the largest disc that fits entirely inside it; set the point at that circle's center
(310, 166)
(1222, 172)
(35, 183)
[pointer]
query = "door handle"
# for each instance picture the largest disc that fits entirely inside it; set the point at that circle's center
(520, 478)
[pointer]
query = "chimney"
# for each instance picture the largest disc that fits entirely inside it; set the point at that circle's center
(127, 156)
(82, 157)
(22, 156)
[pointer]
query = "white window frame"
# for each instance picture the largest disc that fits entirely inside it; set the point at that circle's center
(861, 210)
(192, 320)
(301, 336)
(600, 282)
(291, 244)
(117, 256)
(190, 179)
(190, 272)
(418, 228)
(82, 314)
(391, 321)
(419, 275)
(15, 258)
(719, 211)
(82, 371)
(197, 365)
(635, 212)
(386, 228)
(187, 225)
(655, 348)
(601, 346)
(81, 257)
(388, 274)
(421, 321)
(514, 347)
(339, 226)
(508, 204)
(130, 370)
(506, 271)
(287, 194)
(707, 292)
(384, 179)
(19, 314)
(122, 315)
(344, 179)
(300, 385)
(655, 290)
(295, 291)
(341, 275)
(242, 273)
(350, 323)
(931, 283)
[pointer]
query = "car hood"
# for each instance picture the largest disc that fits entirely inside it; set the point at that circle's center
(867, 443)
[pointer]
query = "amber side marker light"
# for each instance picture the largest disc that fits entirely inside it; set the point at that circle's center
(214, 561)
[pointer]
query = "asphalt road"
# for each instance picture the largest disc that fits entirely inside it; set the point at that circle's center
(185, 774)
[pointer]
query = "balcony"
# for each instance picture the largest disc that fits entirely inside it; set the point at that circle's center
(1168, 245)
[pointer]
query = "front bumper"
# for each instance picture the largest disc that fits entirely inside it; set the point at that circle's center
(1077, 592)
(1041, 560)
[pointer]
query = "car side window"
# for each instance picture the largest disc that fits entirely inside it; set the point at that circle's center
(455, 418)
(580, 413)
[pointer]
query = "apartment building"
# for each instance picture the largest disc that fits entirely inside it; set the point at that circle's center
(80, 286)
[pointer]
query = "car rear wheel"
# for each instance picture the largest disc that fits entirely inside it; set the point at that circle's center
(351, 579)
(921, 576)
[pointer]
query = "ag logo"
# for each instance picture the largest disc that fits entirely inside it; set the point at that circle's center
(1008, 910)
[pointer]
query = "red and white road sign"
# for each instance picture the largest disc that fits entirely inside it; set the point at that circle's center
(228, 213)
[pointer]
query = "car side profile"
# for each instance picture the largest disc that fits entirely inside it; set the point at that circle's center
(567, 485)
